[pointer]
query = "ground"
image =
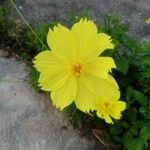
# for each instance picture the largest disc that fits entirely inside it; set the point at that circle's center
(27, 118)
(132, 12)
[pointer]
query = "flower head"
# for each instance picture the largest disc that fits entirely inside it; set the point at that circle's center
(147, 20)
(72, 70)
(110, 108)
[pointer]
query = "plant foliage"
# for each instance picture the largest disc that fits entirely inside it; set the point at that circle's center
(133, 76)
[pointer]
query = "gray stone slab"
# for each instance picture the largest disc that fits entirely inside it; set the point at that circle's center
(132, 12)
(28, 121)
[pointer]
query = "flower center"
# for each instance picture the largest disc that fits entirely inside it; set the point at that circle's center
(106, 105)
(76, 69)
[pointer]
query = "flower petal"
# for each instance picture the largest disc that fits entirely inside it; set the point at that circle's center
(52, 80)
(84, 98)
(84, 31)
(111, 80)
(64, 96)
(102, 88)
(89, 42)
(96, 45)
(106, 42)
(103, 110)
(46, 61)
(107, 118)
(53, 72)
(117, 108)
(100, 66)
(104, 116)
(62, 42)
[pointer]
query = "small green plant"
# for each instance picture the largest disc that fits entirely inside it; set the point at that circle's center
(133, 76)
(12, 35)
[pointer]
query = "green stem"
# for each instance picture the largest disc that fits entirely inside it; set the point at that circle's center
(18, 11)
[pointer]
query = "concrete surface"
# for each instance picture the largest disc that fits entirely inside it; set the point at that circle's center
(132, 12)
(28, 121)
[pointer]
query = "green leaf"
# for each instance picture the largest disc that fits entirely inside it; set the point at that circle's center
(122, 64)
(114, 129)
(131, 114)
(139, 96)
(129, 92)
(145, 131)
(145, 60)
(137, 144)
(76, 115)
(131, 143)
(145, 111)
(34, 77)
(125, 124)
(117, 139)
(134, 130)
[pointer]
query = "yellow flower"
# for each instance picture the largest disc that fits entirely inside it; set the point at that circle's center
(110, 108)
(147, 20)
(72, 71)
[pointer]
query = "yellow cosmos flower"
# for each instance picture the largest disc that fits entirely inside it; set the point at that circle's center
(110, 108)
(72, 70)
(147, 20)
